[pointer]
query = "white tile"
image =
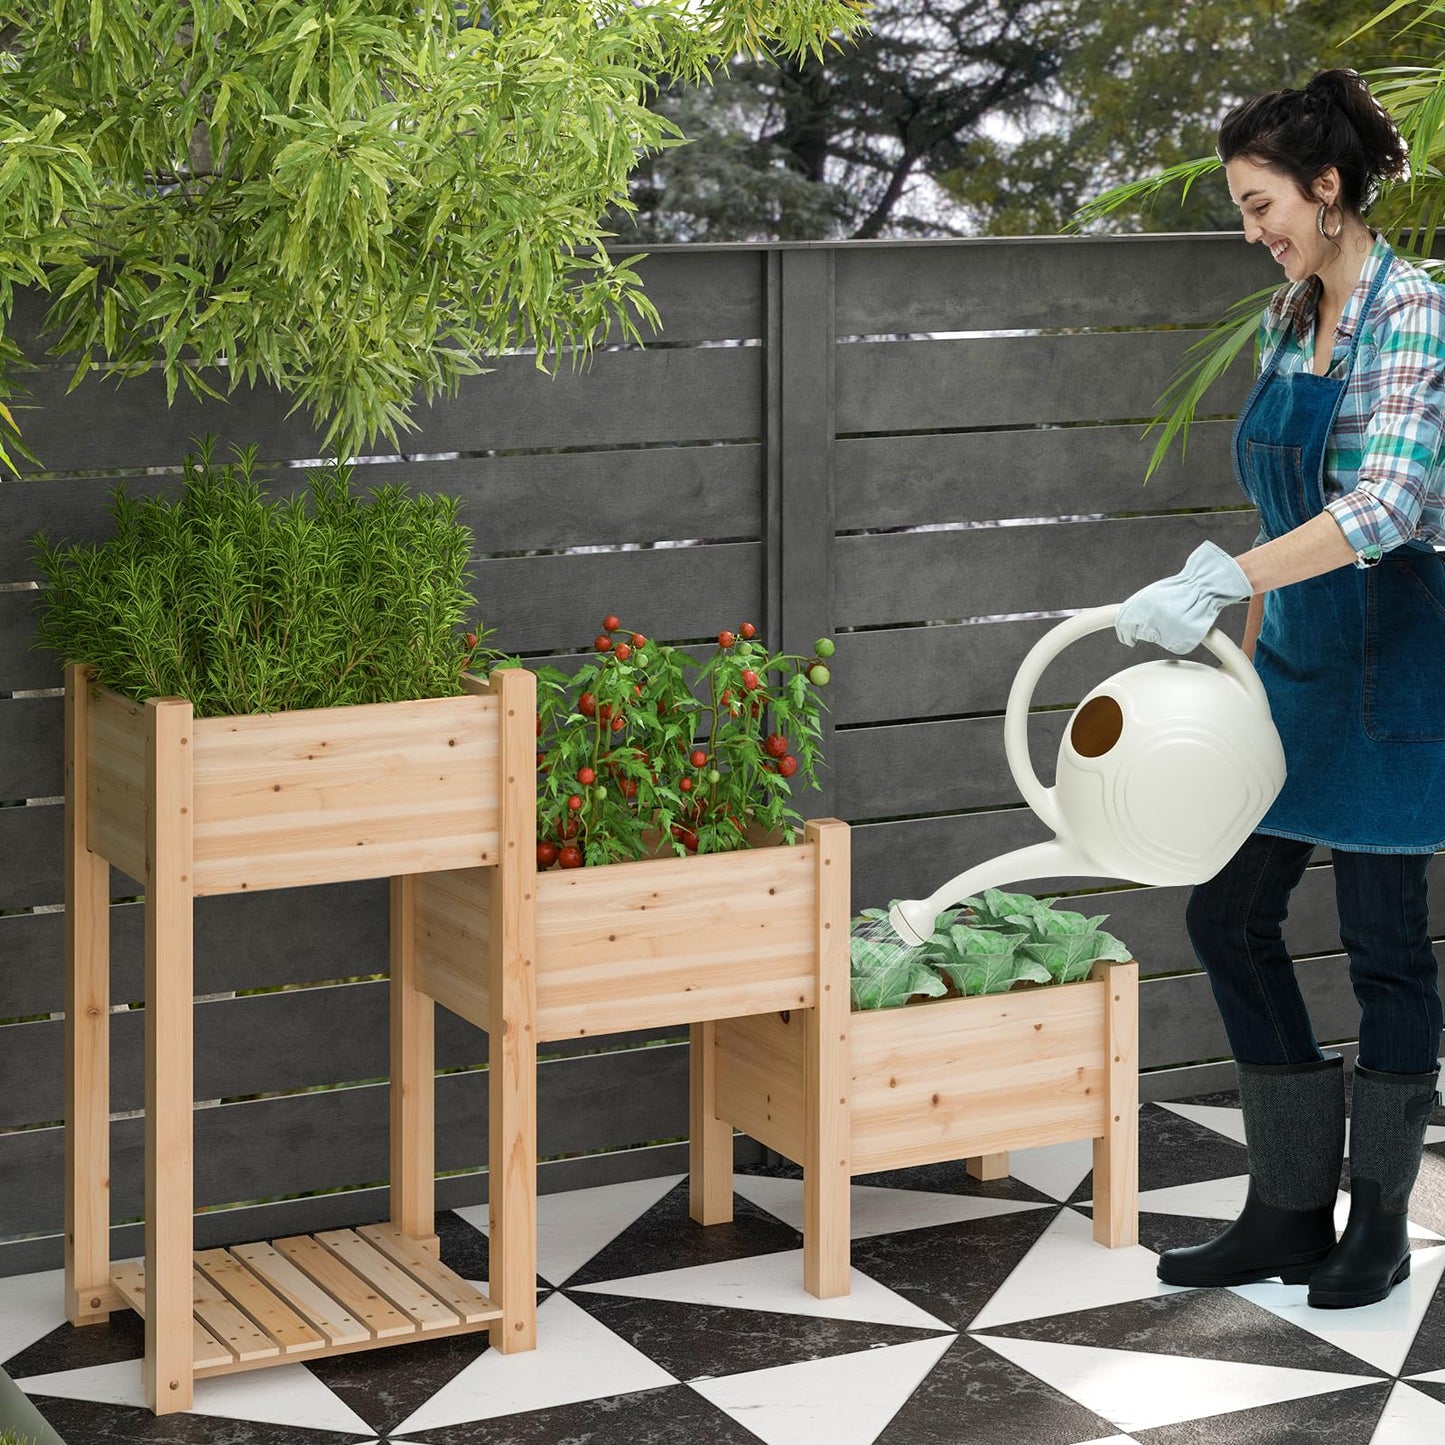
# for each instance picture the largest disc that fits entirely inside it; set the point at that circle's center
(1229, 1122)
(1067, 1270)
(31, 1305)
(1432, 1378)
(874, 1210)
(1409, 1418)
(1112, 1440)
(575, 1224)
(1380, 1333)
(1056, 1169)
(279, 1395)
(577, 1358)
(844, 1399)
(1138, 1391)
(774, 1283)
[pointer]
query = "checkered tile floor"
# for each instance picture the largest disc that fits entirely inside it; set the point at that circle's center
(980, 1313)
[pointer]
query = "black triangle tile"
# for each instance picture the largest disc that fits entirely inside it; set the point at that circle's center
(952, 1270)
(464, 1248)
(667, 1238)
(1174, 1150)
(68, 1347)
(1435, 1389)
(1427, 1349)
(952, 1177)
(1206, 1324)
(388, 1386)
(695, 1341)
(1341, 1417)
(973, 1396)
(672, 1415)
(85, 1422)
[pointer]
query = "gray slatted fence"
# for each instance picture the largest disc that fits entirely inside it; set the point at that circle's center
(927, 449)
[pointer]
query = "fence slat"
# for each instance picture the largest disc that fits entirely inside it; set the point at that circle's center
(31, 765)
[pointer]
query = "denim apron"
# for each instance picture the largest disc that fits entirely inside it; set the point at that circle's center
(1353, 661)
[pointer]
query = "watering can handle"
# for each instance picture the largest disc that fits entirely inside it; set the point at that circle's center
(1016, 719)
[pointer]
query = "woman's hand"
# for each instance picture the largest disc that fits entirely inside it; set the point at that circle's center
(1178, 611)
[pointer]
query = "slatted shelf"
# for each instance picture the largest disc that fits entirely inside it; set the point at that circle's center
(309, 1296)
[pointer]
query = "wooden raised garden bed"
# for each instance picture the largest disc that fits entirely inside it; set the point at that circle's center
(953, 1078)
(190, 807)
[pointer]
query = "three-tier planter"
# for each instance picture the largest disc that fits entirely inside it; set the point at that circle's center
(193, 806)
(952, 1078)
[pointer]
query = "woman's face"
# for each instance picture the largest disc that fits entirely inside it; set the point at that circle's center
(1276, 215)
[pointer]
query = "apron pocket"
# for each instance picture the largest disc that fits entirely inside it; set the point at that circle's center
(1404, 691)
(1277, 471)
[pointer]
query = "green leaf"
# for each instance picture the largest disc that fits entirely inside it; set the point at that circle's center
(888, 976)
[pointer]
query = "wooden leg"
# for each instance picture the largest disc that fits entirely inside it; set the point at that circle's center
(710, 1139)
(168, 1367)
(413, 1080)
(1116, 1154)
(827, 1171)
(89, 1296)
(512, 1033)
(987, 1166)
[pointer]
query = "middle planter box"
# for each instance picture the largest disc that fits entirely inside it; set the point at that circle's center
(672, 941)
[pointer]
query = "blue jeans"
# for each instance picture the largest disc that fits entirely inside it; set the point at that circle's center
(1235, 923)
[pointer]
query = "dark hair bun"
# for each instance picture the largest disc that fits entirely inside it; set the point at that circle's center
(1333, 121)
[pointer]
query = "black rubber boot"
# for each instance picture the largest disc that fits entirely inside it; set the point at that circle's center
(1294, 1125)
(1387, 1138)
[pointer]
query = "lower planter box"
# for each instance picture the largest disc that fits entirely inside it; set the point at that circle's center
(956, 1078)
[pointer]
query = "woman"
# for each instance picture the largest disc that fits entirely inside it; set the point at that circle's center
(1339, 446)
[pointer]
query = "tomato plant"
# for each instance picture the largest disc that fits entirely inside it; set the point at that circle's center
(644, 748)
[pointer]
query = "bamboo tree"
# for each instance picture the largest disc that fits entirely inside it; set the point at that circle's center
(1407, 212)
(357, 201)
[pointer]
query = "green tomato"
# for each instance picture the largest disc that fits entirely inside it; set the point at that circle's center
(601, 791)
(713, 776)
(823, 647)
(819, 675)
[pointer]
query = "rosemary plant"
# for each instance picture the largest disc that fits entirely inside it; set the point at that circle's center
(244, 603)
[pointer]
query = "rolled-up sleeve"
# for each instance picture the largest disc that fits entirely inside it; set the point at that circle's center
(1402, 442)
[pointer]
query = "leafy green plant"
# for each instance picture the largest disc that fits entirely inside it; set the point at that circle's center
(645, 748)
(242, 603)
(987, 945)
(1408, 212)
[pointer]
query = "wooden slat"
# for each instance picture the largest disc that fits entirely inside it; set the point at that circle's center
(331, 794)
(938, 576)
(357, 1296)
(1044, 281)
(453, 921)
(30, 760)
(469, 1303)
(667, 395)
(279, 1321)
(230, 1325)
(702, 292)
(129, 1279)
(980, 476)
(388, 1279)
(760, 1079)
(22, 666)
(894, 386)
(317, 1309)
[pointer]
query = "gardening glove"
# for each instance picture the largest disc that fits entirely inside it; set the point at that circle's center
(1177, 611)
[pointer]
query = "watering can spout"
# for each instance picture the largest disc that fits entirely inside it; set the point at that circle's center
(913, 918)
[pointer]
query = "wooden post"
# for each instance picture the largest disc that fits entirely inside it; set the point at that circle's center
(169, 1029)
(987, 1166)
(512, 1028)
(710, 1139)
(89, 1297)
(413, 1079)
(827, 1118)
(1116, 1154)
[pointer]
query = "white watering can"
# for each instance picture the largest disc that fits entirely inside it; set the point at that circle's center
(1164, 770)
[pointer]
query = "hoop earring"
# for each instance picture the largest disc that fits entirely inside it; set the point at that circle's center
(1320, 223)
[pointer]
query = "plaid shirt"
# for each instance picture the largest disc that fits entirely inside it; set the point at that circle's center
(1383, 484)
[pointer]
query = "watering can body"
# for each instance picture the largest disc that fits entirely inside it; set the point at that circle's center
(1164, 770)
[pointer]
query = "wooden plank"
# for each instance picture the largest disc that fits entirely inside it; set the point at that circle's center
(281, 1323)
(1013, 282)
(22, 666)
(318, 1311)
(894, 386)
(703, 292)
(412, 1069)
(230, 1325)
(452, 915)
(980, 476)
(990, 572)
(710, 1136)
(469, 1304)
(389, 1280)
(87, 1036)
(31, 729)
(681, 394)
(1116, 1152)
(760, 1062)
(332, 794)
(208, 1351)
(116, 794)
(357, 1296)
(658, 941)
